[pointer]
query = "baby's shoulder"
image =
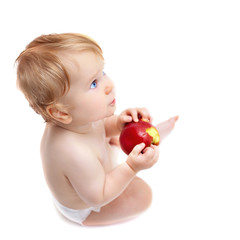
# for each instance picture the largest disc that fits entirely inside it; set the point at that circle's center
(61, 144)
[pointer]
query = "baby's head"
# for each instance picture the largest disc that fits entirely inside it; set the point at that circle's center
(41, 75)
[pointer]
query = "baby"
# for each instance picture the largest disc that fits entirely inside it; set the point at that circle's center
(62, 77)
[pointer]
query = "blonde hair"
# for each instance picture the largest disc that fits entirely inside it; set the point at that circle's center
(41, 76)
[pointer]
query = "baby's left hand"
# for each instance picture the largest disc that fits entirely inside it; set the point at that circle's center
(133, 114)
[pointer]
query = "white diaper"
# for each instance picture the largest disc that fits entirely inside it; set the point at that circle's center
(77, 216)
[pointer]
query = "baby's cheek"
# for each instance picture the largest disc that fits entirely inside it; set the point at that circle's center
(96, 107)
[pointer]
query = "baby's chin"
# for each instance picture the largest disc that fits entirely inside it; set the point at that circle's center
(102, 117)
(109, 115)
(111, 111)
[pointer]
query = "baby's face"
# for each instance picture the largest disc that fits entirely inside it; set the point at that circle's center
(91, 96)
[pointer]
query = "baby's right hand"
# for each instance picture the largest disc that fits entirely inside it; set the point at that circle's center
(141, 158)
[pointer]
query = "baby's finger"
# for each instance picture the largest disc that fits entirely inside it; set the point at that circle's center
(133, 112)
(137, 149)
(144, 114)
(149, 152)
(126, 119)
(156, 150)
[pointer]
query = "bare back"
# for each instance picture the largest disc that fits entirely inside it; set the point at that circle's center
(56, 150)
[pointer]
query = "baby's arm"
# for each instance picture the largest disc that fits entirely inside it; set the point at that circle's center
(93, 185)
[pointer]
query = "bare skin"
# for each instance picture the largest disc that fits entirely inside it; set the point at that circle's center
(77, 147)
(135, 199)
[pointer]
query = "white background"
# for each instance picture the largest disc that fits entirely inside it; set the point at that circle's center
(173, 57)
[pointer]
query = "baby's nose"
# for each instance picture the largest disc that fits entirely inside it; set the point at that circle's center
(108, 88)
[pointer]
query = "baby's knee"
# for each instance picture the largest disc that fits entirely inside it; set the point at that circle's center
(142, 196)
(146, 196)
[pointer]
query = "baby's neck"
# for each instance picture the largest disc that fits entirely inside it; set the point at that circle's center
(80, 129)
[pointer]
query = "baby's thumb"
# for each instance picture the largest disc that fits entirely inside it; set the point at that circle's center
(137, 149)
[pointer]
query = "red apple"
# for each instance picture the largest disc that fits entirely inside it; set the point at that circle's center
(135, 133)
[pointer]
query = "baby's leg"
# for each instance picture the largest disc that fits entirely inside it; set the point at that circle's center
(163, 128)
(134, 200)
(166, 127)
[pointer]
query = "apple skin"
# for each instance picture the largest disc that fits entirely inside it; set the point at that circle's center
(135, 133)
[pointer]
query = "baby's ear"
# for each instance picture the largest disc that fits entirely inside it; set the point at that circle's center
(59, 113)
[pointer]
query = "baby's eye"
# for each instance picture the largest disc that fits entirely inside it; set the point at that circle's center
(103, 73)
(94, 84)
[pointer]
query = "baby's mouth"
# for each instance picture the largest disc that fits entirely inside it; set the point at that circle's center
(113, 102)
